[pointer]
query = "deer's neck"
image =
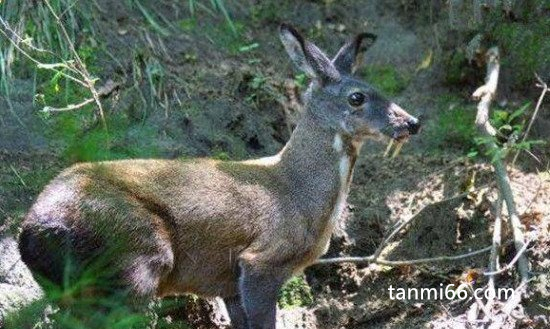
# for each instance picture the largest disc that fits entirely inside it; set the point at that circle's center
(319, 164)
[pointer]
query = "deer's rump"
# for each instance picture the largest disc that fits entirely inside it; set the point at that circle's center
(57, 255)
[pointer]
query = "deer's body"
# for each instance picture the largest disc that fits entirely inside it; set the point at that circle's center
(188, 205)
(215, 228)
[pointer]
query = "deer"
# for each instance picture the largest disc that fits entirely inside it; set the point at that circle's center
(233, 229)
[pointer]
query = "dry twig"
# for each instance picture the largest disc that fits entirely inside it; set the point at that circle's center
(76, 70)
(541, 84)
(381, 261)
(80, 66)
(493, 260)
(511, 264)
(103, 91)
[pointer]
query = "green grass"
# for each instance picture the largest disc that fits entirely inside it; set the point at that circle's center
(81, 143)
(224, 38)
(266, 12)
(453, 127)
(70, 308)
(295, 292)
(385, 78)
(216, 6)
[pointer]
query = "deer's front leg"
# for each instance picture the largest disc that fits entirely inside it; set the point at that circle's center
(236, 312)
(259, 289)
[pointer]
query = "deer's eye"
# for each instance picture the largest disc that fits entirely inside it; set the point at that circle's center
(357, 99)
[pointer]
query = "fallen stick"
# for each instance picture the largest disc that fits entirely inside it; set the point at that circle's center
(381, 261)
(510, 305)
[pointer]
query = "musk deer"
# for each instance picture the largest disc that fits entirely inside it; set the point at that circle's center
(220, 228)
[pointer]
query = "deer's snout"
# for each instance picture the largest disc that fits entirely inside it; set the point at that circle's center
(402, 122)
(413, 126)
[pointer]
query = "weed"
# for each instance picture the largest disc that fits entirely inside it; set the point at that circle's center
(454, 127)
(188, 24)
(224, 38)
(79, 303)
(386, 78)
(301, 80)
(216, 5)
(509, 126)
(151, 19)
(295, 292)
(155, 76)
(80, 141)
(220, 155)
(264, 12)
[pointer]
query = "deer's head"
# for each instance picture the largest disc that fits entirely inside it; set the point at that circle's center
(338, 99)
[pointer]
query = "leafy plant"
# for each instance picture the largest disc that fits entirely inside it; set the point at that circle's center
(509, 128)
(151, 20)
(295, 292)
(509, 124)
(300, 80)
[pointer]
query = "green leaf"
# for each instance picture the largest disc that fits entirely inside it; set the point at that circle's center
(518, 112)
(249, 47)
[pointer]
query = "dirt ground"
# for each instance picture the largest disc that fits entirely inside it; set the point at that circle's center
(189, 88)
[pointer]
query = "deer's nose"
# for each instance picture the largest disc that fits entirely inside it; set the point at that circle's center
(413, 126)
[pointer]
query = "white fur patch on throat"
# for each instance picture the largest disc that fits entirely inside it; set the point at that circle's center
(338, 144)
(344, 163)
(344, 171)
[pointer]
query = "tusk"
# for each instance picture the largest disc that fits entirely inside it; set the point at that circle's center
(390, 144)
(397, 149)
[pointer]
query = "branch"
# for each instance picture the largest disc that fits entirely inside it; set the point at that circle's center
(373, 259)
(70, 107)
(493, 260)
(52, 67)
(102, 91)
(544, 88)
(485, 95)
(510, 305)
(80, 65)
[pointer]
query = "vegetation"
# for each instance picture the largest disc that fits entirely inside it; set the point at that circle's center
(386, 78)
(295, 292)
(453, 127)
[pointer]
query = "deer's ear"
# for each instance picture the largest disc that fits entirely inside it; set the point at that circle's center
(350, 56)
(307, 57)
